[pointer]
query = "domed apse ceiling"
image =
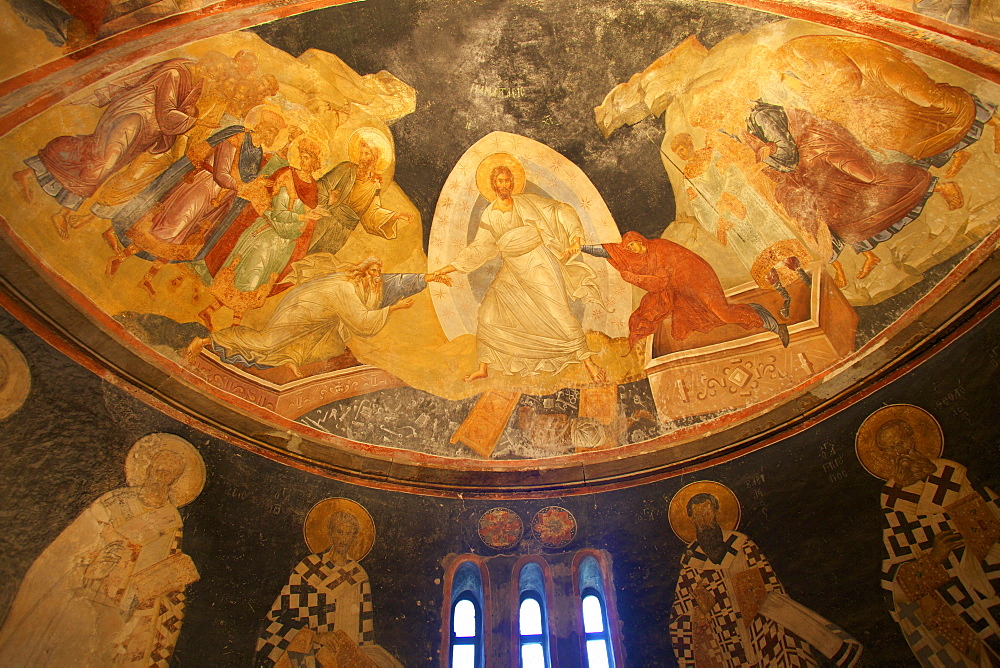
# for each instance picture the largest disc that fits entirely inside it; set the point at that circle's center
(427, 239)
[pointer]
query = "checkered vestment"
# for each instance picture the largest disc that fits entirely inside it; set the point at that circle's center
(725, 636)
(314, 598)
(947, 612)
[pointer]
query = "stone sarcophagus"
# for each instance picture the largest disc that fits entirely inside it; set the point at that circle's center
(730, 368)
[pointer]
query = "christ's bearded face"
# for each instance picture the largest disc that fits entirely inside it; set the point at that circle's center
(503, 184)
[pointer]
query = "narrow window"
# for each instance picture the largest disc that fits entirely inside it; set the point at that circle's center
(465, 643)
(597, 641)
(595, 630)
(465, 634)
(532, 621)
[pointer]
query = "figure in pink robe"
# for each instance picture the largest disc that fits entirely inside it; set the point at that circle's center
(144, 111)
(830, 185)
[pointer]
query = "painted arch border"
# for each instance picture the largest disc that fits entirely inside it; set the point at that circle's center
(63, 316)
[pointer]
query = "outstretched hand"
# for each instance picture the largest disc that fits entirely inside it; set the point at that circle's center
(574, 249)
(401, 304)
(437, 278)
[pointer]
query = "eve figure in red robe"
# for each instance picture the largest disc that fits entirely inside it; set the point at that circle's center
(679, 284)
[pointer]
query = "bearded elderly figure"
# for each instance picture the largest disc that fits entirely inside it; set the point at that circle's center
(314, 320)
(942, 566)
(109, 590)
(730, 609)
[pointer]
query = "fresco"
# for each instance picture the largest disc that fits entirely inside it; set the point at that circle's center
(235, 209)
(47, 31)
(982, 15)
(15, 378)
(324, 614)
(730, 607)
(110, 589)
(941, 539)
(855, 503)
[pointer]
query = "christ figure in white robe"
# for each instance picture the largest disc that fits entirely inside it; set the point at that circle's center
(526, 324)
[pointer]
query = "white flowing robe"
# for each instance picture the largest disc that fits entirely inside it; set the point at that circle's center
(312, 323)
(526, 324)
(62, 617)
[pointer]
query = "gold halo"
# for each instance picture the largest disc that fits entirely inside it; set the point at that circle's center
(315, 531)
(187, 488)
(374, 138)
(728, 515)
(252, 118)
(926, 432)
(486, 168)
(324, 154)
(15, 378)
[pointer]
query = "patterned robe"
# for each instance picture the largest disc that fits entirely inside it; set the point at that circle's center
(750, 619)
(950, 612)
(69, 612)
(320, 597)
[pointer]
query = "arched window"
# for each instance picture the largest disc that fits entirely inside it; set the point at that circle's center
(467, 618)
(466, 633)
(532, 619)
(598, 641)
(596, 634)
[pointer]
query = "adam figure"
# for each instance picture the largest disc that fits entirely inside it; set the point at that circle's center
(526, 323)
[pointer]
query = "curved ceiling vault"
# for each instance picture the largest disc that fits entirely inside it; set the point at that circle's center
(614, 242)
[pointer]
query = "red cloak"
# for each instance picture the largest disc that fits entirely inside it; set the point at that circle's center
(678, 283)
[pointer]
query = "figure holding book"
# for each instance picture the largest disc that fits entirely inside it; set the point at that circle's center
(110, 589)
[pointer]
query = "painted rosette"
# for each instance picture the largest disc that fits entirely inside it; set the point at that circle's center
(554, 527)
(500, 528)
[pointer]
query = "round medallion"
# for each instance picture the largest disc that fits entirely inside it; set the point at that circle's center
(15, 378)
(554, 526)
(500, 528)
